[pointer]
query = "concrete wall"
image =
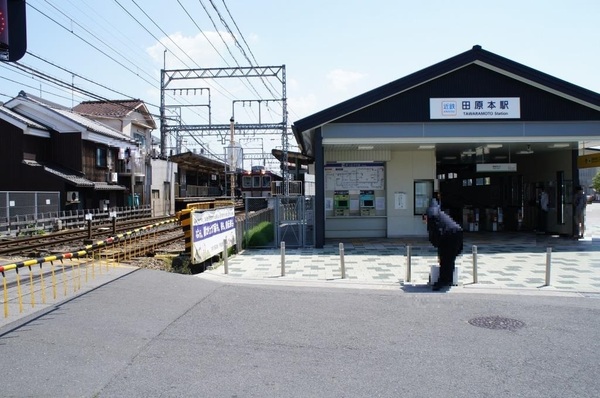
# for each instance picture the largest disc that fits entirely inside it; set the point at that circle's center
(163, 186)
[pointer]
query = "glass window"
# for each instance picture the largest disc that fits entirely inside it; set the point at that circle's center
(247, 182)
(256, 182)
(423, 193)
(266, 181)
(101, 157)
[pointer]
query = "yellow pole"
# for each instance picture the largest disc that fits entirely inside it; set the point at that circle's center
(64, 278)
(53, 280)
(19, 291)
(43, 286)
(73, 277)
(5, 295)
(31, 287)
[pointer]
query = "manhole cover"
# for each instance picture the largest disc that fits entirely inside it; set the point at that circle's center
(497, 323)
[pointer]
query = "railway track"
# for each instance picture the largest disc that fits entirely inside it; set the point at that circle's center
(32, 246)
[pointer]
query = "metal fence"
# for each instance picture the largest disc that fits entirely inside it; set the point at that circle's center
(291, 219)
(21, 203)
(29, 224)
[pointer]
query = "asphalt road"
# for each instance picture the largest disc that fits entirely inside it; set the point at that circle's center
(155, 334)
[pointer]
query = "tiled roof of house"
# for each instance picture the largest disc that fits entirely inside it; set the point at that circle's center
(116, 109)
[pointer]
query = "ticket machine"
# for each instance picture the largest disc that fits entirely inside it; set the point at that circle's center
(367, 203)
(341, 203)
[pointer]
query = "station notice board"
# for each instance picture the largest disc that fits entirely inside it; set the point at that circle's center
(354, 176)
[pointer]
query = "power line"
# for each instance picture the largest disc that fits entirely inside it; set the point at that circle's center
(90, 44)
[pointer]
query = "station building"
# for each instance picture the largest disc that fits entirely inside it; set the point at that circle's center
(484, 131)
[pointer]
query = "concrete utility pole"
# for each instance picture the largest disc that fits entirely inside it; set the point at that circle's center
(231, 156)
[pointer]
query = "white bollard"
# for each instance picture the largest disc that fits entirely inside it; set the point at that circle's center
(282, 258)
(342, 263)
(408, 263)
(225, 260)
(548, 265)
(474, 264)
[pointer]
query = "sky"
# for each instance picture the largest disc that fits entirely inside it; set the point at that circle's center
(331, 51)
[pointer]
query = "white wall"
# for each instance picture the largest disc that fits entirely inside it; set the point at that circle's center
(163, 171)
(401, 172)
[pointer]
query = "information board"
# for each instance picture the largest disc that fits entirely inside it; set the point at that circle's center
(352, 176)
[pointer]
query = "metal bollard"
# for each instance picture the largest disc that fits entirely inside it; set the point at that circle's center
(342, 263)
(474, 264)
(225, 258)
(408, 263)
(282, 258)
(548, 265)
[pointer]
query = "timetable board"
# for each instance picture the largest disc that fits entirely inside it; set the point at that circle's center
(352, 176)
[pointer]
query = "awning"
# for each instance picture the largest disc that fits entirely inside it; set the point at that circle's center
(69, 176)
(293, 157)
(103, 186)
(76, 179)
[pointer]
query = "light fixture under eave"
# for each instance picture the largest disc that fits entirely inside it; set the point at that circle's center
(528, 151)
(365, 147)
(426, 146)
(560, 145)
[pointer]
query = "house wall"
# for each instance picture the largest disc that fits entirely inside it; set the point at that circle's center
(163, 187)
(14, 174)
(67, 150)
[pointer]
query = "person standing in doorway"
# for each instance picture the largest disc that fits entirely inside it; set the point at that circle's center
(579, 203)
(447, 236)
(543, 215)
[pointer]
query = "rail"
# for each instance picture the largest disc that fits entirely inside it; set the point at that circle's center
(32, 224)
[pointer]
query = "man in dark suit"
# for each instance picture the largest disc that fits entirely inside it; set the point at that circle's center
(447, 236)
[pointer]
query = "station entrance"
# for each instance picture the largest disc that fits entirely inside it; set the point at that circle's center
(484, 199)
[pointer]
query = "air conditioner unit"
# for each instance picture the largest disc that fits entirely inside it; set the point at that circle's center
(72, 196)
(114, 177)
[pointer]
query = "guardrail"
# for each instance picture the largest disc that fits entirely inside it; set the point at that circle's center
(31, 224)
(90, 253)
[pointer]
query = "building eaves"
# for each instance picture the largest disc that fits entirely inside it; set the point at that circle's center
(475, 55)
(94, 126)
(22, 119)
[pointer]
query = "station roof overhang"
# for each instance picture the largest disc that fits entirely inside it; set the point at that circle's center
(293, 157)
(197, 162)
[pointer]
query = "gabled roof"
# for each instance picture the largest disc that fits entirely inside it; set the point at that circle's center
(476, 56)
(7, 113)
(115, 109)
(52, 108)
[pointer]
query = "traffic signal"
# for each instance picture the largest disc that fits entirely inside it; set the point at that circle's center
(13, 30)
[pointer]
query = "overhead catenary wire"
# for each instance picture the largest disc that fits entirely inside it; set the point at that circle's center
(139, 72)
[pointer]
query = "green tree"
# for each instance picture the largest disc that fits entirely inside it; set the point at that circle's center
(596, 182)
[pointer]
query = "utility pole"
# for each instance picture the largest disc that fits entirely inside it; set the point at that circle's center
(232, 167)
